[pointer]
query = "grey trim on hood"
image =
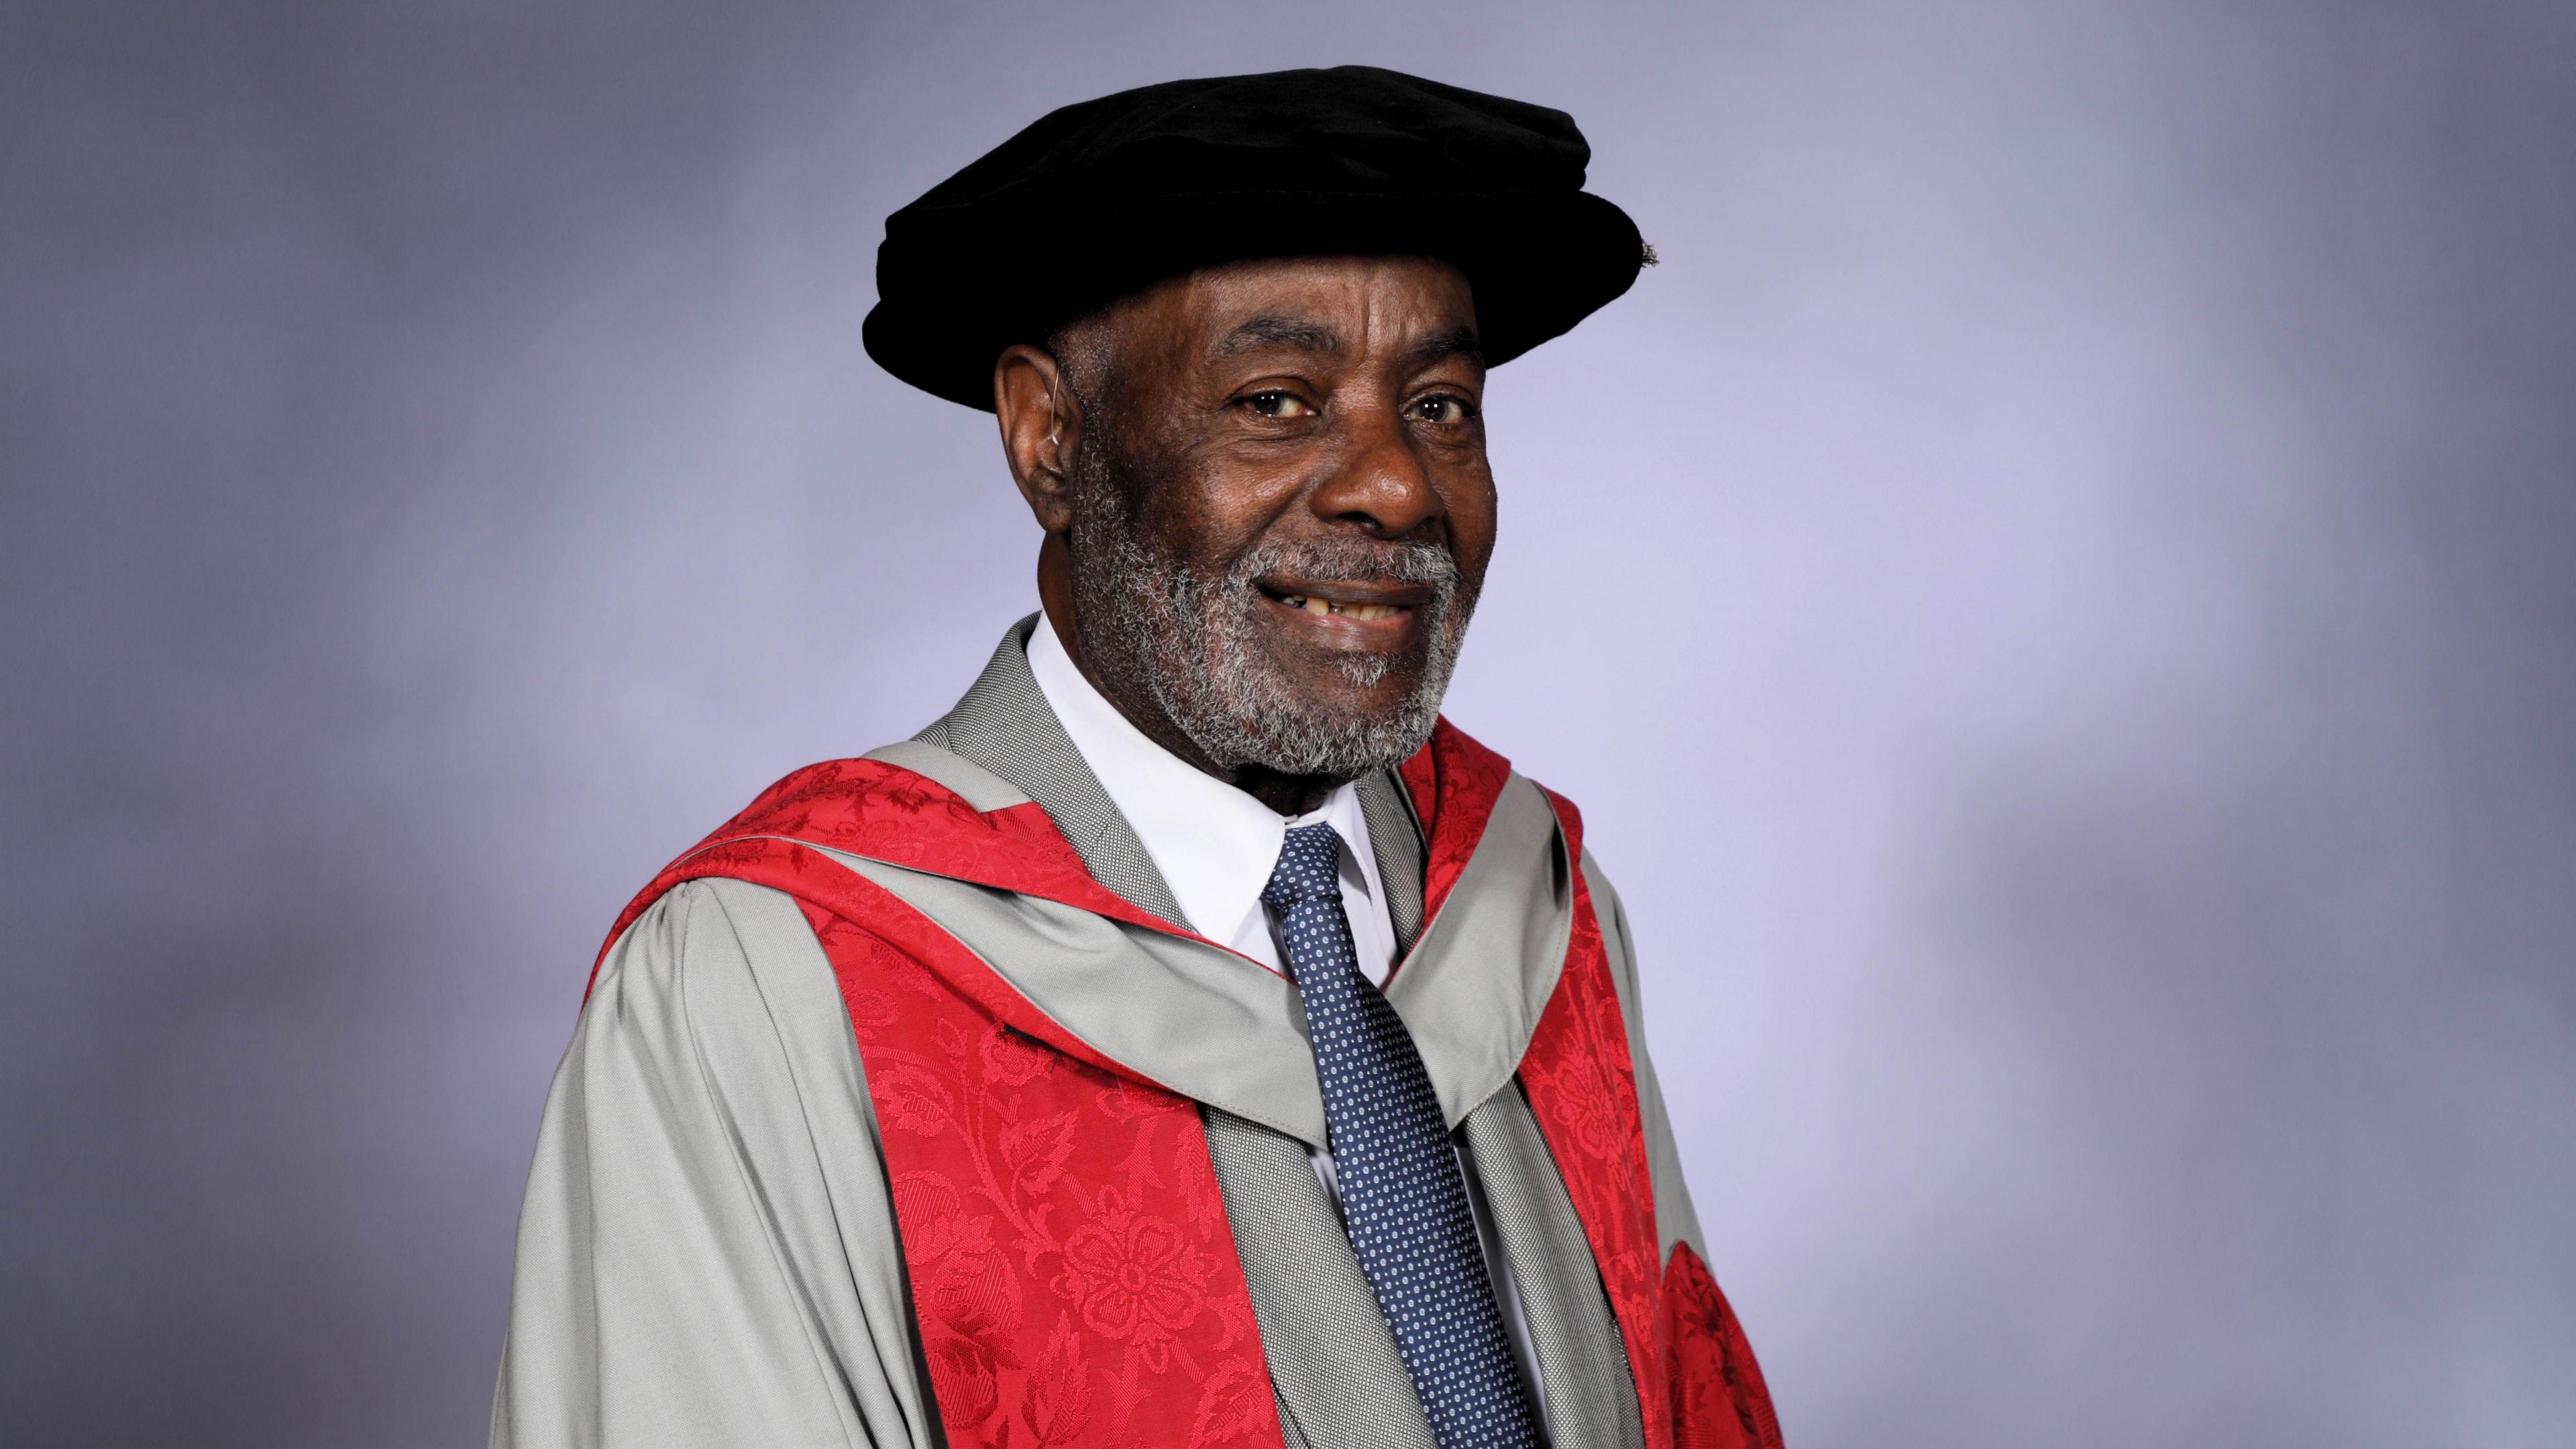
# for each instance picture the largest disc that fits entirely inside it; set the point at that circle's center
(1222, 1030)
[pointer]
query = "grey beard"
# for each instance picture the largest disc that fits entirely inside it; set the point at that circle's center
(1189, 639)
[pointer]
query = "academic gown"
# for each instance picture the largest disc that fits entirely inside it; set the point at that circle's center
(708, 1251)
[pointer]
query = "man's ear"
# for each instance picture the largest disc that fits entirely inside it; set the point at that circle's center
(1041, 423)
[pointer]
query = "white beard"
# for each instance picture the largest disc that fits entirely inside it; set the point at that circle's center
(1191, 642)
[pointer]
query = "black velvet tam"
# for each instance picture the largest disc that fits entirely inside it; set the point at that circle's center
(1106, 197)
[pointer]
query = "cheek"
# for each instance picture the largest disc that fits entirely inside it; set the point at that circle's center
(1473, 516)
(1177, 507)
(1216, 514)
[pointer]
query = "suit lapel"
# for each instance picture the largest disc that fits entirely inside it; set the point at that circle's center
(1395, 838)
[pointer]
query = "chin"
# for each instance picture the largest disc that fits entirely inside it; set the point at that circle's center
(1371, 685)
(1379, 706)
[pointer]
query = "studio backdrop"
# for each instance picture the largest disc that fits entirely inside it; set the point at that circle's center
(2058, 597)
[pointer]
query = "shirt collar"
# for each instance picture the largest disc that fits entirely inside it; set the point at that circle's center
(1215, 845)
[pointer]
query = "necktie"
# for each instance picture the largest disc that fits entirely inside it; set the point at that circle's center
(1402, 1194)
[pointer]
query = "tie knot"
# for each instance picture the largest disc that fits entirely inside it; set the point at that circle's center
(1309, 869)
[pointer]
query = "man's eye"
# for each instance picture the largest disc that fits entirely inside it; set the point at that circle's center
(1276, 404)
(1444, 409)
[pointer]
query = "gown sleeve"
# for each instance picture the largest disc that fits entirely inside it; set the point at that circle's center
(707, 1250)
(1720, 1400)
(1675, 1218)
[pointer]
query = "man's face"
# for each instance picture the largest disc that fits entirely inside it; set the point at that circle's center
(1281, 508)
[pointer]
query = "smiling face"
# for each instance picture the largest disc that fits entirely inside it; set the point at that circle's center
(1268, 509)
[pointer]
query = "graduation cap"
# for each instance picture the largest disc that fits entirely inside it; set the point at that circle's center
(1106, 197)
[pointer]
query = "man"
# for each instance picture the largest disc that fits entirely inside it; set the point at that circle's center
(1190, 1039)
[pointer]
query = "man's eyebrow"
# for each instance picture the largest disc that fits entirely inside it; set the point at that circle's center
(1457, 342)
(1273, 330)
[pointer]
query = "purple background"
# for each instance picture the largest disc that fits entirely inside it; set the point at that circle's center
(2058, 599)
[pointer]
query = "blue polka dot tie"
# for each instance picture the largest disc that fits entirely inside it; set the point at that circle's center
(1402, 1194)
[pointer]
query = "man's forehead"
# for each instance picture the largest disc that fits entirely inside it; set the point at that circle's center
(1332, 306)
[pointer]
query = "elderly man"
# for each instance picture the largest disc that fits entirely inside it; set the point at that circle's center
(1191, 1039)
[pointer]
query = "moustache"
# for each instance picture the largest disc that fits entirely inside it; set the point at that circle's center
(1350, 560)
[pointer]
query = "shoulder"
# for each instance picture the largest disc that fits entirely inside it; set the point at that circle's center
(1605, 895)
(720, 979)
(700, 933)
(712, 916)
(841, 797)
(863, 806)
(1612, 914)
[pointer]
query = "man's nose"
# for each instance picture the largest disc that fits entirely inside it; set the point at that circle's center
(1385, 482)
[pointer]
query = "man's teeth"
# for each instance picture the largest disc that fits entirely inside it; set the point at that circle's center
(1347, 611)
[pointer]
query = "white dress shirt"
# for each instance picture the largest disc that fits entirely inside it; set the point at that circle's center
(1216, 847)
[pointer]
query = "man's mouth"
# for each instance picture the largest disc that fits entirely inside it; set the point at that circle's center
(1357, 602)
(1318, 604)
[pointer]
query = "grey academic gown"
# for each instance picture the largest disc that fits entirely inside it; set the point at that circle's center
(707, 1252)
